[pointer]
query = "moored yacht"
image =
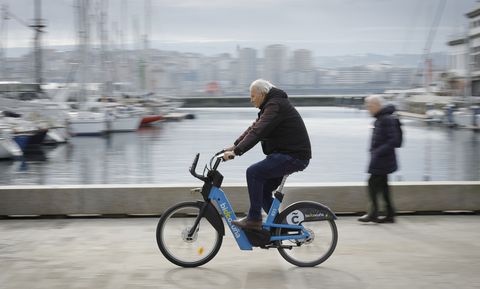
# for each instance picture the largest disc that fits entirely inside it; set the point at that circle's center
(123, 119)
(86, 123)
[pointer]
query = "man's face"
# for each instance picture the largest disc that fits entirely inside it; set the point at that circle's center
(256, 97)
(373, 107)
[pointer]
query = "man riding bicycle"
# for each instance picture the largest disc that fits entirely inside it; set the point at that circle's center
(284, 138)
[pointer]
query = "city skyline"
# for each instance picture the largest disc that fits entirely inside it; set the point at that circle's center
(178, 73)
(326, 28)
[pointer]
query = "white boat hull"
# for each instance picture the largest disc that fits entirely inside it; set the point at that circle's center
(87, 123)
(119, 124)
(9, 149)
(463, 119)
(55, 136)
(87, 128)
(435, 115)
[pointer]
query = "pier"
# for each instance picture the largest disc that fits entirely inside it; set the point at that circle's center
(297, 100)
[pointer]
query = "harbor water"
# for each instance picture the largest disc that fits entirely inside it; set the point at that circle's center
(162, 154)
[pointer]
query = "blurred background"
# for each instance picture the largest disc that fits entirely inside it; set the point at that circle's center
(123, 91)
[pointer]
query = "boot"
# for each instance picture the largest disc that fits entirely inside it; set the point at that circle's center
(368, 218)
(246, 223)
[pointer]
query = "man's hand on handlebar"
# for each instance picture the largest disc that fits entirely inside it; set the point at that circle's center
(228, 155)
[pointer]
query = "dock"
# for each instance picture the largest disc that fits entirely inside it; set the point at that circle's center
(412, 115)
(297, 100)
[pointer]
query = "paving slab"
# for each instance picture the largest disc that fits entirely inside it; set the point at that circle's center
(437, 251)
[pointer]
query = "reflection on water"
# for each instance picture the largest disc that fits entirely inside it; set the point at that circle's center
(162, 154)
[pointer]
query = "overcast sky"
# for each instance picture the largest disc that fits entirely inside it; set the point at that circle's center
(328, 27)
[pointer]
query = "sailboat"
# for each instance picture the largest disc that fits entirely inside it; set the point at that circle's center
(84, 122)
(98, 116)
(119, 117)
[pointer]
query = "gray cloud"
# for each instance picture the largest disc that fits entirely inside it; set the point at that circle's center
(328, 27)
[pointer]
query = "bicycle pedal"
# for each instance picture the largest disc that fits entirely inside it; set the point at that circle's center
(285, 247)
(269, 246)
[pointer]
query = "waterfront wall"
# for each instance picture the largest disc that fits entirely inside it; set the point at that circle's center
(155, 199)
(297, 100)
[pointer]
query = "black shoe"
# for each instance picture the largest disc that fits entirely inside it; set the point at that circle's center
(245, 223)
(367, 218)
(386, 220)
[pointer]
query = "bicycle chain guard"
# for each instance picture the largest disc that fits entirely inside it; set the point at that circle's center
(258, 238)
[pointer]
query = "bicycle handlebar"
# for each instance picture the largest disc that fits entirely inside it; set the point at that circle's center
(193, 167)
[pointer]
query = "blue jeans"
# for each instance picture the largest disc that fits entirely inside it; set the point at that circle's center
(265, 176)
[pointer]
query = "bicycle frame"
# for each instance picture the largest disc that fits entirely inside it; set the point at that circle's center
(217, 195)
(213, 182)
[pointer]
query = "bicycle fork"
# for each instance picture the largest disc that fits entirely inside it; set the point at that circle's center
(209, 212)
(194, 228)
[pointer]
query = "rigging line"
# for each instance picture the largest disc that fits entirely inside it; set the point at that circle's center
(434, 27)
(430, 38)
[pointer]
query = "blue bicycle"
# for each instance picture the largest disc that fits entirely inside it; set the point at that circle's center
(190, 234)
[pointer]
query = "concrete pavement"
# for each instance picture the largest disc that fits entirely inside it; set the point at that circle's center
(437, 251)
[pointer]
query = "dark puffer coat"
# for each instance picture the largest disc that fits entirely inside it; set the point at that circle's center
(382, 149)
(279, 127)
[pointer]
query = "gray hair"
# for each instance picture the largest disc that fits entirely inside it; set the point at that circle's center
(262, 85)
(375, 98)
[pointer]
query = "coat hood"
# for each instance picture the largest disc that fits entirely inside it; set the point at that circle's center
(274, 93)
(387, 109)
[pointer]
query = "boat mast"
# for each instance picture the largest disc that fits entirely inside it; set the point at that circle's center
(468, 67)
(145, 85)
(102, 7)
(83, 41)
(38, 26)
(428, 45)
(148, 22)
(3, 42)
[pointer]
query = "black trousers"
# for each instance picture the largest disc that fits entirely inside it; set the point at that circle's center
(377, 184)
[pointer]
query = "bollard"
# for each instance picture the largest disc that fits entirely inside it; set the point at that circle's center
(475, 113)
(450, 108)
(429, 111)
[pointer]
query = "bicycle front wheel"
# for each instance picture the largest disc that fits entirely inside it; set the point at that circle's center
(175, 243)
(320, 226)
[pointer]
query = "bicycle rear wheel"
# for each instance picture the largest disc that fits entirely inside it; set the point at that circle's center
(319, 223)
(174, 242)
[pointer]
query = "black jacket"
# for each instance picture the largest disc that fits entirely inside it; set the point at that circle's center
(382, 149)
(279, 127)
